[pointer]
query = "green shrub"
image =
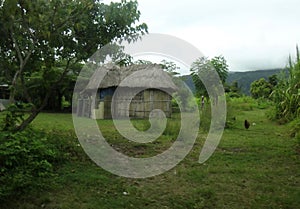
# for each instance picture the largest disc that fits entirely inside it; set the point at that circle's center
(14, 115)
(27, 157)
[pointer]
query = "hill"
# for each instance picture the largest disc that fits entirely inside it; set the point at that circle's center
(244, 79)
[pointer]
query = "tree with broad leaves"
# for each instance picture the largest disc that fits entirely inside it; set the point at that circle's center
(42, 42)
(261, 89)
(203, 67)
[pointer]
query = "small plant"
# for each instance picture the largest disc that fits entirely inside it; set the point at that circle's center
(14, 116)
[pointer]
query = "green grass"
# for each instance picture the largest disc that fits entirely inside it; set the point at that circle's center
(255, 168)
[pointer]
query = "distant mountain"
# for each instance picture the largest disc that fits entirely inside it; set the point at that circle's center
(244, 79)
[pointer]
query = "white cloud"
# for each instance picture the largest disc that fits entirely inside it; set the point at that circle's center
(250, 34)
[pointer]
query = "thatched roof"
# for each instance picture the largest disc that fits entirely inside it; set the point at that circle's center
(141, 76)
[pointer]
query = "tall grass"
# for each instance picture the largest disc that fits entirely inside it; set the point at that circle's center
(286, 97)
(287, 93)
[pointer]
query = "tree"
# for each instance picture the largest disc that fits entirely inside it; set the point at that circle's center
(260, 89)
(233, 89)
(42, 42)
(170, 67)
(203, 66)
(273, 80)
(220, 65)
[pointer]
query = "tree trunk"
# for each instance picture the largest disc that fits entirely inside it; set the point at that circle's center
(26, 122)
(12, 92)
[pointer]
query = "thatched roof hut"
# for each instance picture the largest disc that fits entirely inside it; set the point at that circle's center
(143, 88)
(151, 76)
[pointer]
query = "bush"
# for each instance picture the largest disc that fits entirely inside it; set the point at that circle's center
(26, 158)
(14, 116)
(234, 95)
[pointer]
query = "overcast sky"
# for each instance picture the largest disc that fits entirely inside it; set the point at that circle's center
(250, 34)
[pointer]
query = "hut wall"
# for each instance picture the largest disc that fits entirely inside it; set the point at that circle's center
(152, 99)
(102, 109)
(107, 114)
(139, 107)
(84, 108)
(122, 103)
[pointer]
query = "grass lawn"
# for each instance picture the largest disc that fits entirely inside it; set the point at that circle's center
(255, 168)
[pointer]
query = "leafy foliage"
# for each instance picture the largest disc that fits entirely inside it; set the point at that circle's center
(170, 67)
(203, 67)
(286, 95)
(15, 115)
(220, 65)
(43, 41)
(233, 89)
(182, 97)
(261, 89)
(28, 157)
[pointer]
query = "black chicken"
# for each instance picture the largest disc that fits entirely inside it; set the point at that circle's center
(247, 124)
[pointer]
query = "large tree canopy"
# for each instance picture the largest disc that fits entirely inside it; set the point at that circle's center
(42, 42)
(202, 68)
(261, 89)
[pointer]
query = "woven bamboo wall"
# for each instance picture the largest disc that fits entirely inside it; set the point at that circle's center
(139, 107)
(152, 99)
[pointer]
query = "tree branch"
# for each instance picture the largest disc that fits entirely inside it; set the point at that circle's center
(25, 89)
(35, 111)
(19, 73)
(75, 15)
